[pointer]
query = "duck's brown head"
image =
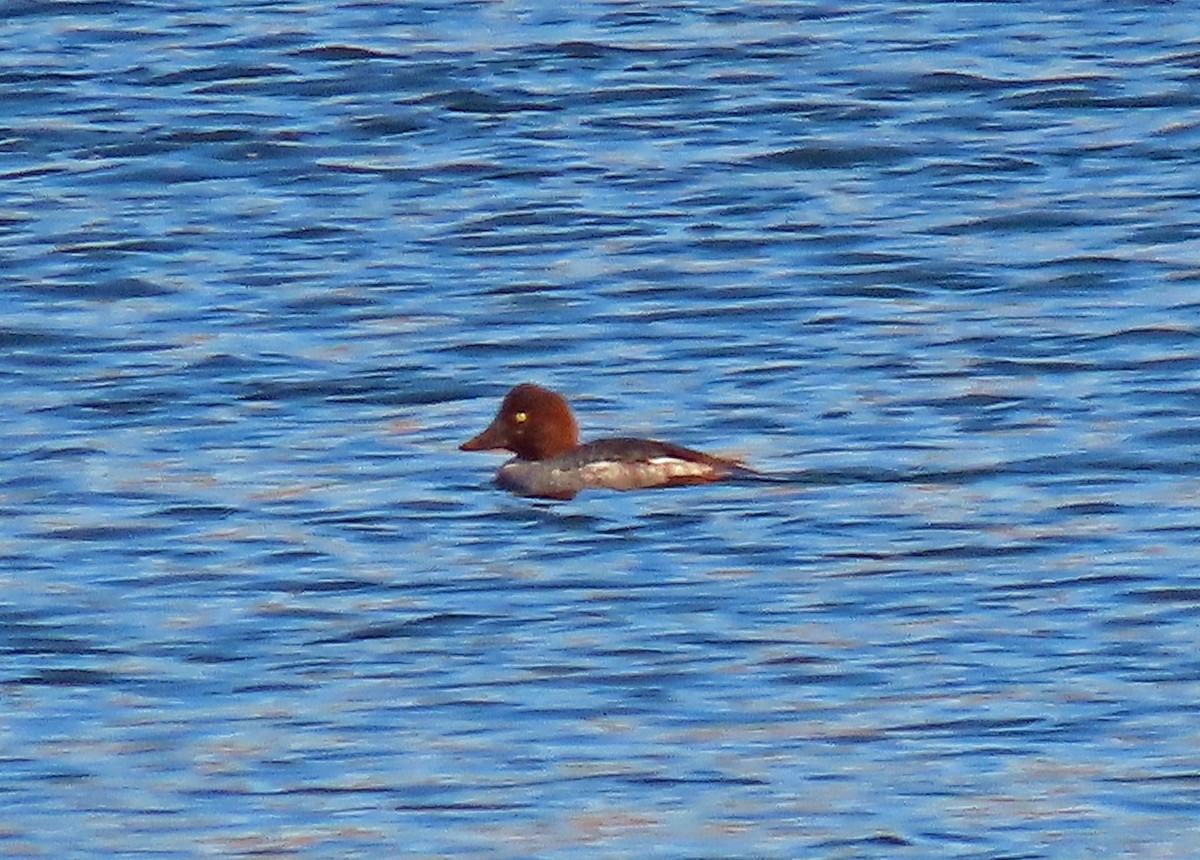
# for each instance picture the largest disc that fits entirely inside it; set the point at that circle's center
(534, 423)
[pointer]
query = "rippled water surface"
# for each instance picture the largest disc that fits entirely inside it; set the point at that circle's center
(935, 267)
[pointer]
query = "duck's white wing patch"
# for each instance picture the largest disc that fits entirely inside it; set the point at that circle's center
(655, 472)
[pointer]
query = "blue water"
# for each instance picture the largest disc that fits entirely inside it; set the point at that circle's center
(934, 266)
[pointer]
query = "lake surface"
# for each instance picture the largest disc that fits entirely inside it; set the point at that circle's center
(934, 267)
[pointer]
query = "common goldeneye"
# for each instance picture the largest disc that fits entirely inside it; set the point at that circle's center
(536, 424)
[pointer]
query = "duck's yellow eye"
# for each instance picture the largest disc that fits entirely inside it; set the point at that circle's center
(520, 418)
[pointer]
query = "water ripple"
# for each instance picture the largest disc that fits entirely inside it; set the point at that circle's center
(929, 268)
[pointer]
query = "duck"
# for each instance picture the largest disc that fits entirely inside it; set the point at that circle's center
(537, 425)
